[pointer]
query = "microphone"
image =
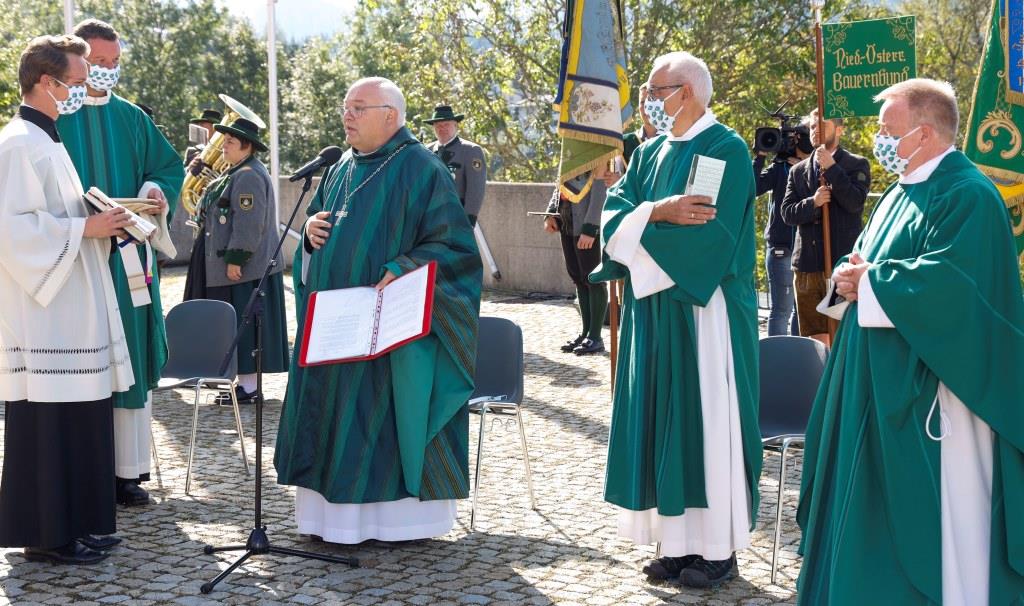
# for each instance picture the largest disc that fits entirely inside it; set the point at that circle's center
(328, 156)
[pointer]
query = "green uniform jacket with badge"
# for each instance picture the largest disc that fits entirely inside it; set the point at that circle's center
(239, 224)
(466, 161)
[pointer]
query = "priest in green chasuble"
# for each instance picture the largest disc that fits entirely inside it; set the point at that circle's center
(684, 453)
(116, 147)
(913, 478)
(378, 449)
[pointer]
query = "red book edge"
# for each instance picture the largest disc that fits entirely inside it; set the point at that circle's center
(428, 313)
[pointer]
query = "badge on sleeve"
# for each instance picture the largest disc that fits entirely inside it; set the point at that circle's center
(245, 201)
(478, 164)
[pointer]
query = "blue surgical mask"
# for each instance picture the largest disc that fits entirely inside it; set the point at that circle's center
(76, 97)
(885, 152)
(656, 115)
(103, 78)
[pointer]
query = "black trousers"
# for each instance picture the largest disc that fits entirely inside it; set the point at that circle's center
(579, 263)
(58, 474)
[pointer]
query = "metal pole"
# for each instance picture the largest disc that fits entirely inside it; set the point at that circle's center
(275, 162)
(69, 15)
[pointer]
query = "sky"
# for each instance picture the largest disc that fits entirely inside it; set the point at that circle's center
(296, 19)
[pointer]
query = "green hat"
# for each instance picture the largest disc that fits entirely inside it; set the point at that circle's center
(442, 113)
(243, 129)
(209, 115)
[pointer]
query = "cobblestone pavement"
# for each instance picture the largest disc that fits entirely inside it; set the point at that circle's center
(566, 552)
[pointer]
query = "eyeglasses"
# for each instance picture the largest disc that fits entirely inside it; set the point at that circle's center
(359, 110)
(655, 91)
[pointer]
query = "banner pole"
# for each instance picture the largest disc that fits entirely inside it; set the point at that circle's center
(819, 60)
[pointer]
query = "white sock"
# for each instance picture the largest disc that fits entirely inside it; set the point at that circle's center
(247, 382)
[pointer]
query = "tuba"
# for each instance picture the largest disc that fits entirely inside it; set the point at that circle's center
(212, 158)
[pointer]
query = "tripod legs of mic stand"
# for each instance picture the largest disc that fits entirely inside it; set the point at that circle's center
(258, 543)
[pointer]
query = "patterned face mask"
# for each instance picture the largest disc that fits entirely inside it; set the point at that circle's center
(885, 153)
(76, 97)
(103, 78)
(661, 121)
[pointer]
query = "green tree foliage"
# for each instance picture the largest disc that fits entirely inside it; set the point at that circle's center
(494, 60)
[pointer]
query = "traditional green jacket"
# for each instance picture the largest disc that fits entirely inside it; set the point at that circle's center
(116, 147)
(397, 426)
(655, 450)
(944, 270)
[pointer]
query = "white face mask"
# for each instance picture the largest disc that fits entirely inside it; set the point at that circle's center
(656, 115)
(886, 154)
(76, 97)
(103, 78)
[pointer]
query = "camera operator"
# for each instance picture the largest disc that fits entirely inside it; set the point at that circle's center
(834, 176)
(778, 236)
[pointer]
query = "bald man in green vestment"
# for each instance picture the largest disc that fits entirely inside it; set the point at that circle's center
(913, 478)
(116, 147)
(378, 449)
(684, 451)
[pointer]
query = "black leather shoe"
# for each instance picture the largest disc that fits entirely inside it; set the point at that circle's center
(588, 346)
(72, 553)
(704, 574)
(666, 568)
(99, 543)
(571, 345)
(244, 397)
(131, 494)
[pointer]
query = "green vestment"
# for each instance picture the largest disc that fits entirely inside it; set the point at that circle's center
(397, 426)
(117, 148)
(944, 270)
(655, 450)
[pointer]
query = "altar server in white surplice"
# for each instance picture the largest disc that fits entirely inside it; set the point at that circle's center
(62, 346)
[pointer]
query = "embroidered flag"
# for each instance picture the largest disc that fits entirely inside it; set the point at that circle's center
(993, 139)
(593, 91)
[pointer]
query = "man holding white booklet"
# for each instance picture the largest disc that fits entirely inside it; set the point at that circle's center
(684, 452)
(375, 429)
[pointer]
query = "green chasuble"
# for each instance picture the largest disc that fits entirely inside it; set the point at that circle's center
(397, 426)
(655, 449)
(944, 269)
(117, 148)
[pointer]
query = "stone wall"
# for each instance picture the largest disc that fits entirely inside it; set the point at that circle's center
(528, 258)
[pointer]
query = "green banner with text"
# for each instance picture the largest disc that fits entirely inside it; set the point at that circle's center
(862, 58)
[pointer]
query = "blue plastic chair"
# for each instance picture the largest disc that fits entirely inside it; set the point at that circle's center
(790, 370)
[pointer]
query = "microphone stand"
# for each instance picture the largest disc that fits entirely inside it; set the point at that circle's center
(258, 542)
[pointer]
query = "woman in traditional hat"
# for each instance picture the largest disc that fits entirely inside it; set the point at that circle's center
(237, 238)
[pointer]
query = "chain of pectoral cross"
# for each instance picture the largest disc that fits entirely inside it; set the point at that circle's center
(343, 212)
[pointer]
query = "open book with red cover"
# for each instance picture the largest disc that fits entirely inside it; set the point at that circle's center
(362, 323)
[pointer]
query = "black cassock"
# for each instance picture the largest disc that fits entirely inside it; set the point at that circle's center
(58, 472)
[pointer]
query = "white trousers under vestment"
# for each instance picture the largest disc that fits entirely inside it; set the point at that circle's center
(132, 456)
(350, 523)
(723, 527)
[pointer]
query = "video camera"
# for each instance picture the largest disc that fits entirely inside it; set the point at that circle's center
(785, 139)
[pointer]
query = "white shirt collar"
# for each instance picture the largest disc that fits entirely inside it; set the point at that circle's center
(702, 124)
(90, 100)
(923, 172)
